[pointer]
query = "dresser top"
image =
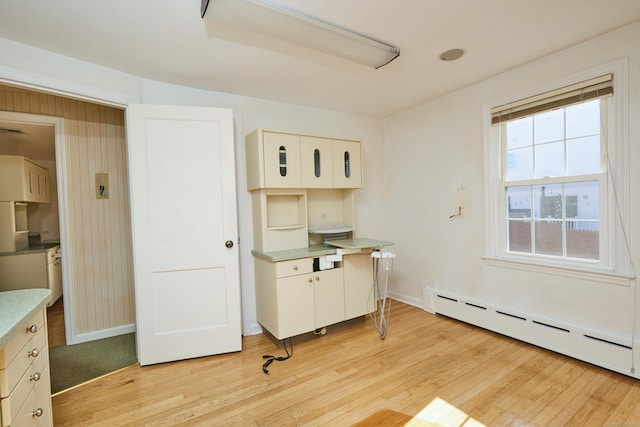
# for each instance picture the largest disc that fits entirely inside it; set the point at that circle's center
(17, 308)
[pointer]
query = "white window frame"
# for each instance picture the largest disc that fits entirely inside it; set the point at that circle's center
(615, 266)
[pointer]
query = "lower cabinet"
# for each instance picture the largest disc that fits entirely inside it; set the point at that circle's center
(25, 391)
(292, 299)
(33, 270)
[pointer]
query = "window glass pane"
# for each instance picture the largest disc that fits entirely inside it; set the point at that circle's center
(582, 200)
(548, 237)
(549, 126)
(282, 153)
(316, 163)
(519, 236)
(583, 119)
(519, 133)
(583, 239)
(550, 159)
(583, 155)
(520, 164)
(547, 201)
(518, 202)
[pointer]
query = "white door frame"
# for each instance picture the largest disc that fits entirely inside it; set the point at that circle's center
(59, 87)
(63, 206)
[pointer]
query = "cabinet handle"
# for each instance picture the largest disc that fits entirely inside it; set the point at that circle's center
(34, 353)
(37, 413)
(310, 280)
(295, 268)
(317, 279)
(33, 329)
(36, 376)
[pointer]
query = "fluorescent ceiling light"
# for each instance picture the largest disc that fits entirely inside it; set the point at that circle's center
(280, 22)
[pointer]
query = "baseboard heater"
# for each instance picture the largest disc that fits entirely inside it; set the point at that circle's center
(601, 349)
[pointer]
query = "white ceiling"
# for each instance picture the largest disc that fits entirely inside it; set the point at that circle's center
(167, 40)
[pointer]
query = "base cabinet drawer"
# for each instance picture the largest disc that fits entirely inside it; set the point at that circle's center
(33, 350)
(25, 388)
(36, 410)
(35, 376)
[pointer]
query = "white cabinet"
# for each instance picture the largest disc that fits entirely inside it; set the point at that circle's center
(328, 297)
(347, 164)
(281, 164)
(25, 391)
(23, 180)
(358, 285)
(31, 271)
(14, 232)
(287, 160)
(279, 219)
(292, 299)
(316, 159)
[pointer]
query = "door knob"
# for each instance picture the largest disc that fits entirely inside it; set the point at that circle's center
(229, 244)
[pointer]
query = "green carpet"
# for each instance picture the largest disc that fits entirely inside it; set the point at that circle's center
(71, 365)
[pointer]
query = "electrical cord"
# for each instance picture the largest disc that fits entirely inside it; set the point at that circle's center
(270, 358)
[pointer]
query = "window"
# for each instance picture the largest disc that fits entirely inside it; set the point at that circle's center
(551, 181)
(554, 165)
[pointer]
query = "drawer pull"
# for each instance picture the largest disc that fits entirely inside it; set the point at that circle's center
(295, 268)
(37, 413)
(33, 329)
(310, 280)
(34, 353)
(36, 376)
(317, 279)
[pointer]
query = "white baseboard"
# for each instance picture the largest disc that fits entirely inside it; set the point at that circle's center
(105, 333)
(596, 347)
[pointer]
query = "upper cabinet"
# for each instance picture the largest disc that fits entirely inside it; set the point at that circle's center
(347, 164)
(285, 160)
(23, 180)
(316, 158)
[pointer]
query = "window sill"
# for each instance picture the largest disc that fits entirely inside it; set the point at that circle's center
(593, 274)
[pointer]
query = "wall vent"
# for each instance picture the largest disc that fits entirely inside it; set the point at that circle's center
(476, 305)
(511, 315)
(551, 326)
(607, 341)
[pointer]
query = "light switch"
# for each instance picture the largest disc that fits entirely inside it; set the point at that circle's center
(102, 186)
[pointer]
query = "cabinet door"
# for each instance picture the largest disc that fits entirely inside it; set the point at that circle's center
(281, 160)
(54, 277)
(358, 282)
(295, 306)
(329, 297)
(43, 185)
(31, 182)
(347, 164)
(316, 158)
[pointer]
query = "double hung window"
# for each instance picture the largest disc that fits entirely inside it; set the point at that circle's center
(552, 194)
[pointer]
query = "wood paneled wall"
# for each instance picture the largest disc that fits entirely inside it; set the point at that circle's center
(99, 229)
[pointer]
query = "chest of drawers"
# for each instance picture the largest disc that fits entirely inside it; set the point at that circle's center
(25, 390)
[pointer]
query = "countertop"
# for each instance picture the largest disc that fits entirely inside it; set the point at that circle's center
(329, 248)
(17, 308)
(311, 251)
(33, 249)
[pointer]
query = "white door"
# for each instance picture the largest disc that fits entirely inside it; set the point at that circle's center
(185, 234)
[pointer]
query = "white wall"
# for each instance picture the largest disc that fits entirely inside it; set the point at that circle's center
(251, 113)
(41, 69)
(440, 145)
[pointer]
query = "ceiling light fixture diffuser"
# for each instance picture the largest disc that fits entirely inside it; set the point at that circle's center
(283, 23)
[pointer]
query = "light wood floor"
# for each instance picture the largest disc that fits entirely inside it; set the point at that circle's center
(452, 372)
(55, 324)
